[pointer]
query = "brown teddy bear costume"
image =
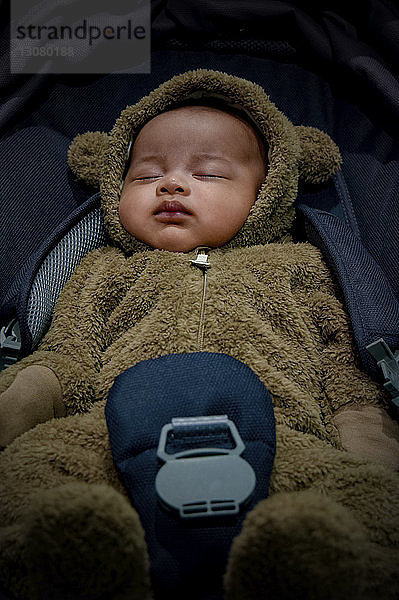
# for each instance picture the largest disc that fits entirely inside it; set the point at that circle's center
(330, 528)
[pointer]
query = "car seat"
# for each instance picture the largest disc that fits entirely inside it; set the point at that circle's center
(49, 221)
(331, 66)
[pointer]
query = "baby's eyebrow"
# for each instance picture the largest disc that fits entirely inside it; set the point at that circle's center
(210, 156)
(163, 156)
(150, 157)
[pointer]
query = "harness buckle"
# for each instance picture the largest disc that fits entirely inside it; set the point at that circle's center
(10, 343)
(205, 481)
(388, 361)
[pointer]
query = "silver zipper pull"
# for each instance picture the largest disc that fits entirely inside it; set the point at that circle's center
(202, 259)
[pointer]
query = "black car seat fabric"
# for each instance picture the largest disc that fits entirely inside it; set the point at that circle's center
(333, 67)
(35, 289)
(209, 384)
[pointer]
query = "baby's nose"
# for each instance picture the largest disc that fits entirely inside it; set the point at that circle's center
(173, 185)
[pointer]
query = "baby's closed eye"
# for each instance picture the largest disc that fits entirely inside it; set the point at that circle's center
(209, 175)
(146, 177)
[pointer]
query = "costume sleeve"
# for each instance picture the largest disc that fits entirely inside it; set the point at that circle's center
(343, 380)
(361, 407)
(73, 346)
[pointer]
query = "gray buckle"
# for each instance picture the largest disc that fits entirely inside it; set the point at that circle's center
(10, 343)
(388, 361)
(203, 481)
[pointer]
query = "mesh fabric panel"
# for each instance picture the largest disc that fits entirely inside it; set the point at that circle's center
(57, 268)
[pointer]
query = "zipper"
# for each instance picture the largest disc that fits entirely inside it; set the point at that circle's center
(202, 262)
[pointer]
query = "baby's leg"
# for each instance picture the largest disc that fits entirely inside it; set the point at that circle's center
(68, 530)
(330, 529)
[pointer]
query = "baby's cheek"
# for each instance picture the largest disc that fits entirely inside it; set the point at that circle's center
(122, 213)
(127, 215)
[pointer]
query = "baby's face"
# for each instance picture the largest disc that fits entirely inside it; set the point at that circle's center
(193, 177)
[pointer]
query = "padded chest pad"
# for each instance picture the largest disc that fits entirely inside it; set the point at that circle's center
(198, 395)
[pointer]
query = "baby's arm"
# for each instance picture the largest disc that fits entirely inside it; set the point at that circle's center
(369, 432)
(359, 404)
(35, 396)
(59, 378)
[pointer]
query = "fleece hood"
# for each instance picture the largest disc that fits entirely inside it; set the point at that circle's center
(294, 152)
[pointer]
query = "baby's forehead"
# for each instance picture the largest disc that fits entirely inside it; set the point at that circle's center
(206, 123)
(199, 111)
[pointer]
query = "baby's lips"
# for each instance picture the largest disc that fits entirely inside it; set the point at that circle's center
(172, 206)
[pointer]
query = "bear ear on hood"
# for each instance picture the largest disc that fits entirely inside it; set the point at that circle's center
(85, 156)
(319, 158)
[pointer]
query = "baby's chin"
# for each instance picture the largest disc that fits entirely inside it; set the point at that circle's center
(179, 247)
(173, 241)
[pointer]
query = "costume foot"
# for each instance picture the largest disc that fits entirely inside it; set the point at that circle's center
(298, 546)
(85, 542)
